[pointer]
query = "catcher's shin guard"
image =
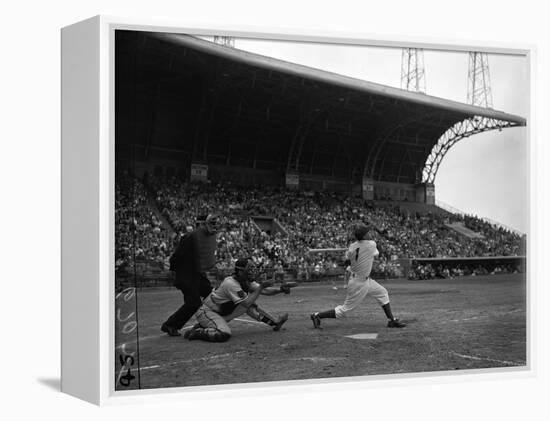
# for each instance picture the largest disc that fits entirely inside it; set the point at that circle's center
(280, 322)
(263, 316)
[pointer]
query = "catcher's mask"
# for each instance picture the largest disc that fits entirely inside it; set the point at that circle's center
(246, 269)
(241, 264)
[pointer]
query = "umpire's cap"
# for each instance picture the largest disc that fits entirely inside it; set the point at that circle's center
(212, 223)
(201, 218)
(360, 231)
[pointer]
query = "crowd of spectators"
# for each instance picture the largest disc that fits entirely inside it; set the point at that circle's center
(423, 271)
(140, 234)
(309, 220)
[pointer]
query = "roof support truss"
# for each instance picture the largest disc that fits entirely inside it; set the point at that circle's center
(308, 114)
(388, 133)
(459, 131)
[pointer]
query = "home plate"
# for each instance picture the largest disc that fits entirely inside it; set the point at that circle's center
(363, 336)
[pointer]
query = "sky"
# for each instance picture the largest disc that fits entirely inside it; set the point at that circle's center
(487, 174)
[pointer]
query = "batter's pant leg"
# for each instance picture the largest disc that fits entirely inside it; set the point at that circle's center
(378, 292)
(356, 292)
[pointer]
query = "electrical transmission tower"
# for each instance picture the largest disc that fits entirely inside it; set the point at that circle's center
(223, 40)
(479, 82)
(412, 70)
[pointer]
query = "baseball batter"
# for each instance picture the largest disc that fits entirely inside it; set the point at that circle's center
(360, 257)
(235, 296)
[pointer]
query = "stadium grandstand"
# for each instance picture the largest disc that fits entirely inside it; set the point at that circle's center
(290, 156)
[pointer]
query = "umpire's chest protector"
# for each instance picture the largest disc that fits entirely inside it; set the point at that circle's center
(205, 246)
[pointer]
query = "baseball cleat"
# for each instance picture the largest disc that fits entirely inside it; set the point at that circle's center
(396, 323)
(281, 322)
(172, 331)
(316, 320)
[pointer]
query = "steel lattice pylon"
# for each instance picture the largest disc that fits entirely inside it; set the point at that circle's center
(413, 76)
(479, 94)
(223, 40)
(479, 82)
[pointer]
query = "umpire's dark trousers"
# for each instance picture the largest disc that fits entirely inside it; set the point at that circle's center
(193, 288)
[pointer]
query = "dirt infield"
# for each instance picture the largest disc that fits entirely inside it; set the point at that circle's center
(459, 324)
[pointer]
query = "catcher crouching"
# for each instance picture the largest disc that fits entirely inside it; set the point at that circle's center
(235, 296)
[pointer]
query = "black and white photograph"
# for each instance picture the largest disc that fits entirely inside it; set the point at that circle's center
(290, 210)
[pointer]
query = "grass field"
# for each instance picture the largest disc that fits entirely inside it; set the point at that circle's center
(459, 324)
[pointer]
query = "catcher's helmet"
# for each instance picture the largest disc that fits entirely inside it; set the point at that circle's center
(241, 263)
(360, 231)
(244, 271)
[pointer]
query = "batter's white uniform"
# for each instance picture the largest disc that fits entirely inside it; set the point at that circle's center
(361, 255)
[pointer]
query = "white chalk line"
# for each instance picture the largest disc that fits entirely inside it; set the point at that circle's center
(160, 335)
(472, 357)
(319, 359)
(145, 338)
(487, 315)
(249, 321)
(363, 336)
(194, 360)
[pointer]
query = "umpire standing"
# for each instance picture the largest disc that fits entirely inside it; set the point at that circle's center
(194, 255)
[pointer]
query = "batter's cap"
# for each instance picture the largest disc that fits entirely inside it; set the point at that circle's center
(360, 231)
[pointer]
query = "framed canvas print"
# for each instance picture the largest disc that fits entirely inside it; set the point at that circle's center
(246, 210)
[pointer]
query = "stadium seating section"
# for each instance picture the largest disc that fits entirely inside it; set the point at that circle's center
(153, 212)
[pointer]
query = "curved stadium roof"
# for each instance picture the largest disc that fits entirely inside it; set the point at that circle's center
(222, 105)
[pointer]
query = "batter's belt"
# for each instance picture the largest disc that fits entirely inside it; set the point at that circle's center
(354, 275)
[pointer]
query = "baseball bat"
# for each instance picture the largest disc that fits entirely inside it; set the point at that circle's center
(326, 250)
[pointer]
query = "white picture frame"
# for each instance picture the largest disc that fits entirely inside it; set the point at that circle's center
(88, 310)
